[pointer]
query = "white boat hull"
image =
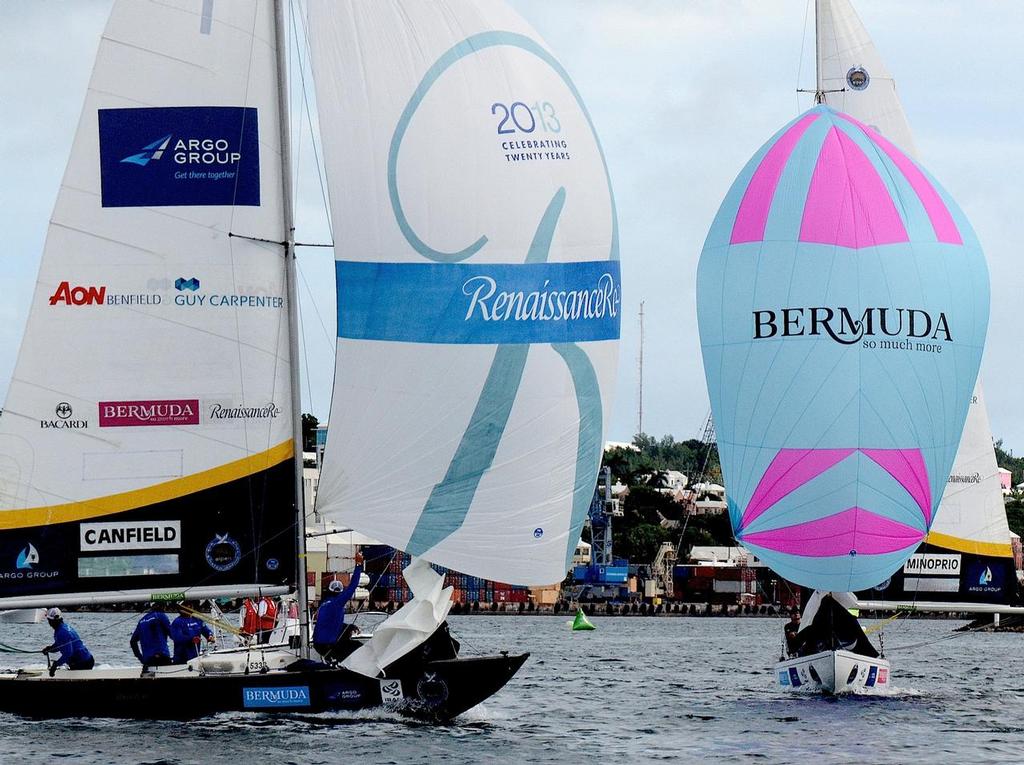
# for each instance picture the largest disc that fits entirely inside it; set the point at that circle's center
(833, 672)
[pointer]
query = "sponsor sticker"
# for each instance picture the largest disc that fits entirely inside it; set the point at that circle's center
(223, 552)
(266, 698)
(883, 675)
(179, 155)
(125, 414)
(932, 564)
(63, 419)
(138, 535)
(783, 678)
(794, 677)
(872, 675)
(391, 691)
(475, 303)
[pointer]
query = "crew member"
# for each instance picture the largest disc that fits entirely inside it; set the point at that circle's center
(149, 641)
(72, 650)
(187, 632)
(259, 618)
(791, 630)
(330, 636)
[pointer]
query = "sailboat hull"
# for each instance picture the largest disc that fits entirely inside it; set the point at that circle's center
(436, 691)
(833, 672)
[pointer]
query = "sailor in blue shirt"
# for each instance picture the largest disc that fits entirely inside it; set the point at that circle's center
(152, 632)
(72, 650)
(187, 632)
(329, 634)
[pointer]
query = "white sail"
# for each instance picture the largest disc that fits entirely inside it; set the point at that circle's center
(478, 285)
(971, 517)
(146, 434)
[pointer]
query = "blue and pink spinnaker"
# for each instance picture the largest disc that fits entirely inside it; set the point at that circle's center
(843, 302)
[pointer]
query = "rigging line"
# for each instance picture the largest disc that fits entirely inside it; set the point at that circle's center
(305, 354)
(316, 310)
(320, 169)
(800, 63)
(297, 114)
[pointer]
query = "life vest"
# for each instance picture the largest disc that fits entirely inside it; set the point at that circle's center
(259, 617)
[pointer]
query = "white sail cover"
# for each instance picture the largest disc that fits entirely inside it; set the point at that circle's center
(145, 439)
(409, 626)
(478, 285)
(971, 517)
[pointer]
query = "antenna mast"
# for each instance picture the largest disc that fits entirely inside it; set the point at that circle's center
(640, 364)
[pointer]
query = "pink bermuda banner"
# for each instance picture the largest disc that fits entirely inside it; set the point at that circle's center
(123, 414)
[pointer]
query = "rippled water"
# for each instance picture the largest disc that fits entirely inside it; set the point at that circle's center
(635, 690)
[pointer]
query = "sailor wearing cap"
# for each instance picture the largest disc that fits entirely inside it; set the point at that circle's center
(72, 650)
(329, 633)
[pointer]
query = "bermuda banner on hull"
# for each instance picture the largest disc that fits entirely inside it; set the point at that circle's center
(195, 540)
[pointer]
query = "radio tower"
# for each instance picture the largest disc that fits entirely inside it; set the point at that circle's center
(640, 363)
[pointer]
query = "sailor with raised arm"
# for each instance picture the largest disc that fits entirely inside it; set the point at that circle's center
(65, 640)
(330, 634)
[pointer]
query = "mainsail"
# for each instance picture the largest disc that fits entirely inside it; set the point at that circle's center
(146, 439)
(842, 301)
(478, 286)
(970, 535)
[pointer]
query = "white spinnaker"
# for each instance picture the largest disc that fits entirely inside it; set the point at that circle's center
(185, 54)
(971, 517)
(401, 410)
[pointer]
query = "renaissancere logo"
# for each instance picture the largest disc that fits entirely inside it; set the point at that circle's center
(490, 302)
(913, 328)
(502, 303)
(121, 414)
(266, 412)
(153, 151)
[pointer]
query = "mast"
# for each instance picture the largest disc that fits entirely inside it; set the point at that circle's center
(293, 324)
(819, 85)
(640, 406)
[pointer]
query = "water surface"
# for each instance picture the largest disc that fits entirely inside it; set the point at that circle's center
(635, 690)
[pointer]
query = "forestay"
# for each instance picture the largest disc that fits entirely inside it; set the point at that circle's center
(478, 286)
(842, 301)
(145, 441)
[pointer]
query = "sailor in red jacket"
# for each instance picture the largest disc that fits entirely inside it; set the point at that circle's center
(259, 618)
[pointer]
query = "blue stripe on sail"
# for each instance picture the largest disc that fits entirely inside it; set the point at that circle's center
(589, 442)
(479, 303)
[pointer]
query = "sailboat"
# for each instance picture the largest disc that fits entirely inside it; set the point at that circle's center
(150, 445)
(966, 564)
(842, 306)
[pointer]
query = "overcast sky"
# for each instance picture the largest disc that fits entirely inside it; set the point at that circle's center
(682, 93)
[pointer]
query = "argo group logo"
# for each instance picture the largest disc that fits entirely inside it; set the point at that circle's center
(26, 564)
(179, 155)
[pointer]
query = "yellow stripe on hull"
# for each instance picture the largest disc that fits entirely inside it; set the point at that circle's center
(991, 549)
(151, 495)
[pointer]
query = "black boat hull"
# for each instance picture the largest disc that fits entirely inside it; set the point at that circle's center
(435, 690)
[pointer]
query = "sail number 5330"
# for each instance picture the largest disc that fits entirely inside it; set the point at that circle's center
(518, 117)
